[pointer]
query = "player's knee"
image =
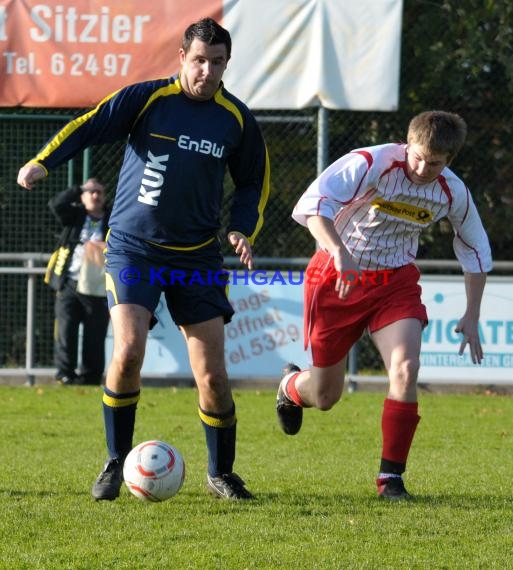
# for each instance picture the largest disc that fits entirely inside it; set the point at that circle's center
(128, 361)
(411, 369)
(214, 382)
(405, 373)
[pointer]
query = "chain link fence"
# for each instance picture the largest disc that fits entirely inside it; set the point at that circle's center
(28, 226)
(439, 70)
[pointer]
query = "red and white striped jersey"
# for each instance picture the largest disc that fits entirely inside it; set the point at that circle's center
(379, 212)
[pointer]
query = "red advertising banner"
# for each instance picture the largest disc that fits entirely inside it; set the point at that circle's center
(73, 53)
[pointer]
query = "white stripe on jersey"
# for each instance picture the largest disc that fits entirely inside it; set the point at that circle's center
(379, 213)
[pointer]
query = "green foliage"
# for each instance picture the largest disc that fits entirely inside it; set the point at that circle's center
(315, 501)
(458, 56)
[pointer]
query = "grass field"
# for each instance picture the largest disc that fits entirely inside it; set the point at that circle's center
(316, 505)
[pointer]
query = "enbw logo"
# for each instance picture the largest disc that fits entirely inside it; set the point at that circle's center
(203, 146)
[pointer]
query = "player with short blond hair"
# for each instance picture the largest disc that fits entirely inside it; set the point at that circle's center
(366, 211)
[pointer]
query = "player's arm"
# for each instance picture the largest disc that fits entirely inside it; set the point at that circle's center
(468, 325)
(323, 230)
(472, 248)
(346, 180)
(112, 119)
(471, 245)
(250, 171)
(86, 129)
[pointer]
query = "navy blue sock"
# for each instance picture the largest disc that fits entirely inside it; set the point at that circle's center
(119, 418)
(220, 432)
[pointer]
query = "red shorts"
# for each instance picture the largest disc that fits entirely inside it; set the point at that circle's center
(333, 325)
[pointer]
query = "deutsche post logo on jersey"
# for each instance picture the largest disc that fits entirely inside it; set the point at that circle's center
(402, 210)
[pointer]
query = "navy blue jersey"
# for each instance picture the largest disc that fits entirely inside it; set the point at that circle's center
(170, 187)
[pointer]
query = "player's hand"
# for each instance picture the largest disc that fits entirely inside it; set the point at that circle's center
(30, 174)
(242, 248)
(348, 273)
(469, 329)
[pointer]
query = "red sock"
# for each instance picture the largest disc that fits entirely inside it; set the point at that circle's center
(398, 424)
(291, 391)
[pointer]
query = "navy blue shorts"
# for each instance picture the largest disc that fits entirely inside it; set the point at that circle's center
(193, 282)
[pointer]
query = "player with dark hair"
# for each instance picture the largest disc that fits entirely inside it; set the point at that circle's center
(209, 33)
(183, 132)
(367, 210)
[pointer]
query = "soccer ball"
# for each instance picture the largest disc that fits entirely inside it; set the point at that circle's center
(154, 471)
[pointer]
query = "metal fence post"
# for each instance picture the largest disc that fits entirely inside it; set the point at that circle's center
(29, 352)
(322, 139)
(353, 369)
(322, 143)
(86, 172)
(322, 162)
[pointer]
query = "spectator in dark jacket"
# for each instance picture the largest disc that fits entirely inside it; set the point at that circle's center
(76, 273)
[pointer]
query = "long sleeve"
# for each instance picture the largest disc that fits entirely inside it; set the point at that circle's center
(112, 119)
(471, 244)
(250, 171)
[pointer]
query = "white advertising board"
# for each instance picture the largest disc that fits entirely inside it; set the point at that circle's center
(267, 331)
(445, 300)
